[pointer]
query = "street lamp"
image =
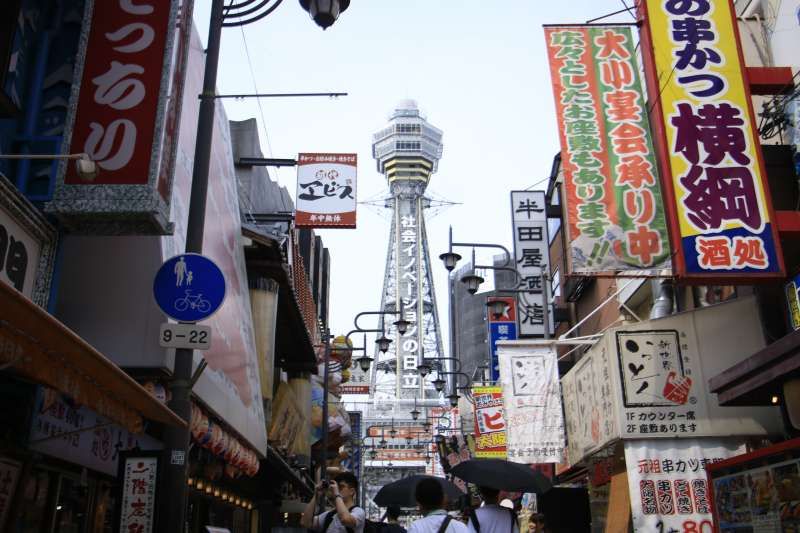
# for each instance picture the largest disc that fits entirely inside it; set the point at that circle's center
(415, 412)
(176, 439)
(423, 368)
(383, 343)
(473, 282)
(453, 399)
(325, 12)
(439, 384)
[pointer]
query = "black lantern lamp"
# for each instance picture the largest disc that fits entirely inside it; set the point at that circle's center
(450, 259)
(363, 362)
(383, 343)
(453, 399)
(473, 282)
(439, 384)
(325, 12)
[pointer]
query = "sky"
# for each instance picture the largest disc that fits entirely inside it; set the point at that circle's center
(478, 71)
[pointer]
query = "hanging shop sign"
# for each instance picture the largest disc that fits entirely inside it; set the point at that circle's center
(720, 214)
(139, 474)
(490, 424)
(793, 301)
(532, 403)
(501, 328)
(668, 484)
(78, 435)
(128, 98)
(287, 419)
(615, 215)
(532, 258)
(326, 191)
(758, 491)
(27, 245)
(647, 380)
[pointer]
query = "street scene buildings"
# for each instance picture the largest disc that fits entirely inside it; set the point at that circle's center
(199, 336)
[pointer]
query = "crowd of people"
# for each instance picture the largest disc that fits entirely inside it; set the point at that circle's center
(344, 516)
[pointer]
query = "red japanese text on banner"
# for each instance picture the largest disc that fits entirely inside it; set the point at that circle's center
(490, 424)
(721, 222)
(615, 215)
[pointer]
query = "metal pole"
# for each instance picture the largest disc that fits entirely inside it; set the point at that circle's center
(176, 439)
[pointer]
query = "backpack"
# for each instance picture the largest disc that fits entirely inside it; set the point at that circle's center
(372, 527)
(329, 519)
(473, 516)
(445, 523)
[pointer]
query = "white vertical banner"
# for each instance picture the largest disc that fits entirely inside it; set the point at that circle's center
(668, 483)
(531, 257)
(138, 493)
(532, 403)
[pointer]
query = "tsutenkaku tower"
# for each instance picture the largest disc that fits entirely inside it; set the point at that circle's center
(407, 151)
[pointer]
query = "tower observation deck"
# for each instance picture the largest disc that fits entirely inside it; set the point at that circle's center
(407, 152)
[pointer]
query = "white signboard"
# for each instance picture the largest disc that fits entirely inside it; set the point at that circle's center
(190, 336)
(532, 257)
(532, 403)
(79, 435)
(649, 380)
(138, 494)
(668, 485)
(326, 191)
(19, 254)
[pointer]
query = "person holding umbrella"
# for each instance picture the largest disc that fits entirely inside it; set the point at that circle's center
(430, 499)
(491, 517)
(345, 517)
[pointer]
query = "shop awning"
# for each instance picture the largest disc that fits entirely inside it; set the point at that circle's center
(291, 335)
(756, 379)
(39, 347)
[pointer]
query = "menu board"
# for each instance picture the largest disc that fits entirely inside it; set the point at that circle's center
(758, 492)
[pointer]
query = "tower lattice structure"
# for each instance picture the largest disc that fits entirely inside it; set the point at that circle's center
(407, 152)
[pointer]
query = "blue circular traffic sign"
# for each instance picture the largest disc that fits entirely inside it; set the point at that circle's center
(189, 287)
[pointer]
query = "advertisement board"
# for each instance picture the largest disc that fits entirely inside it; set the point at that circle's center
(326, 191)
(649, 380)
(532, 258)
(718, 203)
(614, 210)
(124, 112)
(501, 328)
(792, 289)
(490, 424)
(667, 482)
(758, 491)
(139, 474)
(531, 403)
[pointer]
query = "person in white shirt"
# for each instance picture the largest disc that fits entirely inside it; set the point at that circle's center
(345, 517)
(491, 517)
(430, 499)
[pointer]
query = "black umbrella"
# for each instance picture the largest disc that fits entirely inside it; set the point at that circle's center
(401, 492)
(502, 475)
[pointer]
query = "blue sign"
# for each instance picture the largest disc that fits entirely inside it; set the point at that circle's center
(499, 331)
(189, 287)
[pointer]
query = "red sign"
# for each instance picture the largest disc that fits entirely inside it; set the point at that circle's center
(122, 76)
(508, 315)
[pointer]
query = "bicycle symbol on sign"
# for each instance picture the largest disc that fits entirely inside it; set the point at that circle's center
(193, 301)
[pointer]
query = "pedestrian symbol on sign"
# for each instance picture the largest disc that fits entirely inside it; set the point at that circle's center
(189, 287)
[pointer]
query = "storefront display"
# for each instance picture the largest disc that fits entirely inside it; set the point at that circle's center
(758, 492)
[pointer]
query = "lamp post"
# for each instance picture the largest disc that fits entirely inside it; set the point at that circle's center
(176, 439)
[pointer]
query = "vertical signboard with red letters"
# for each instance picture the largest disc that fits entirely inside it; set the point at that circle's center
(720, 214)
(122, 106)
(139, 475)
(615, 216)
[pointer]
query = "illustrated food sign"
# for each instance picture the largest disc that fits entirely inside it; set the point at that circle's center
(490, 424)
(721, 219)
(615, 213)
(326, 191)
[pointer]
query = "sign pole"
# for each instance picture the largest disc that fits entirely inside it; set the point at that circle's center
(176, 439)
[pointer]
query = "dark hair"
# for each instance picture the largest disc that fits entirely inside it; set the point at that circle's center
(429, 494)
(393, 512)
(347, 477)
(488, 493)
